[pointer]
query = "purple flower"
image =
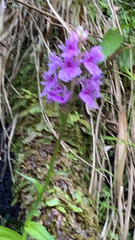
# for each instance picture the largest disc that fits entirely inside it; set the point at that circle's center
(90, 91)
(55, 63)
(67, 68)
(97, 79)
(44, 92)
(70, 69)
(48, 83)
(74, 37)
(71, 49)
(54, 58)
(92, 58)
(54, 91)
(62, 96)
(48, 78)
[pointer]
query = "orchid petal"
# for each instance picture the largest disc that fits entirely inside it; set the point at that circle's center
(96, 54)
(67, 74)
(88, 100)
(92, 68)
(74, 37)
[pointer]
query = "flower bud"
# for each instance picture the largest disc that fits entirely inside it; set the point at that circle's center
(82, 34)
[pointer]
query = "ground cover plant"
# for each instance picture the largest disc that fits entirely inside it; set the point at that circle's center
(91, 192)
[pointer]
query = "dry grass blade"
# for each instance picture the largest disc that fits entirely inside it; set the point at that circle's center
(104, 230)
(3, 89)
(134, 235)
(36, 9)
(121, 149)
(129, 202)
(12, 25)
(120, 207)
(2, 114)
(109, 224)
(9, 143)
(58, 16)
(2, 8)
(92, 182)
(115, 226)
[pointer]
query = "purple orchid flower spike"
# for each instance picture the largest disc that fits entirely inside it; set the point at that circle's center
(70, 69)
(92, 58)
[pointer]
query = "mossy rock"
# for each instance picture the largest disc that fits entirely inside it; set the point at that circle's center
(66, 209)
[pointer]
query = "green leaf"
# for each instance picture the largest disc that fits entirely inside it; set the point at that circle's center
(111, 42)
(40, 126)
(85, 123)
(74, 118)
(110, 138)
(37, 213)
(29, 93)
(130, 75)
(124, 58)
(35, 109)
(120, 140)
(61, 209)
(75, 208)
(77, 195)
(37, 231)
(60, 173)
(31, 135)
(8, 234)
(33, 180)
(52, 202)
(104, 170)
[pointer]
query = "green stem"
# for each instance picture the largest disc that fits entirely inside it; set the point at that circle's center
(48, 177)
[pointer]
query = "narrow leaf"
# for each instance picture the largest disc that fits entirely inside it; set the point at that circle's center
(38, 232)
(33, 180)
(8, 234)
